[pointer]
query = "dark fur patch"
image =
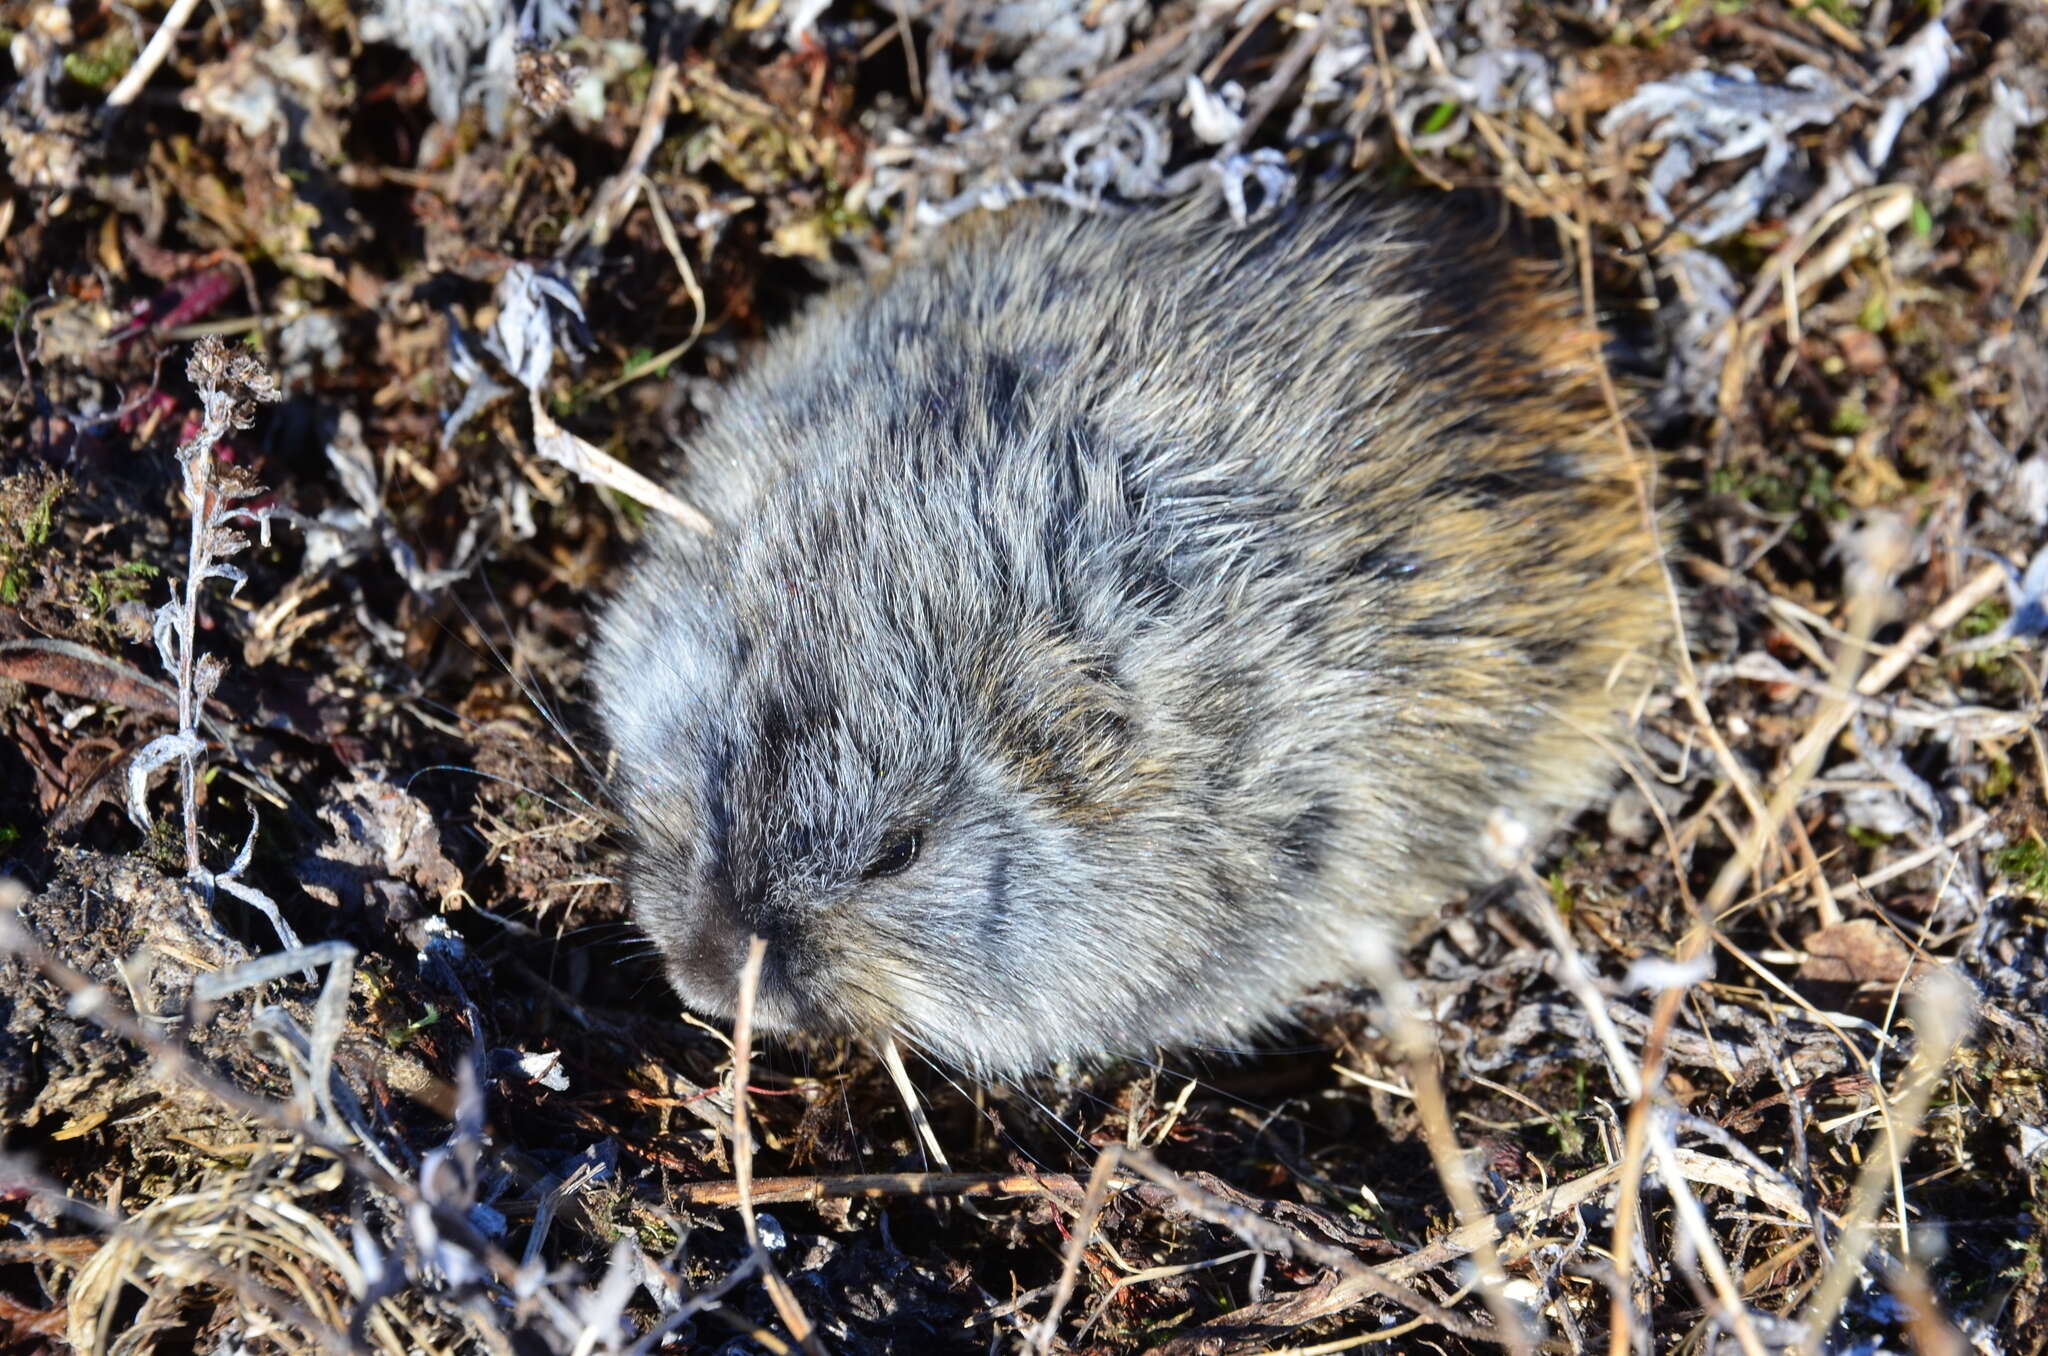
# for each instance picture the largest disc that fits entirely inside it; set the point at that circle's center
(1002, 392)
(1304, 848)
(1550, 648)
(718, 793)
(996, 922)
(1547, 472)
(1384, 562)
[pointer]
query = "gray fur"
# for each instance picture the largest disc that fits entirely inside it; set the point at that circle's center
(1196, 593)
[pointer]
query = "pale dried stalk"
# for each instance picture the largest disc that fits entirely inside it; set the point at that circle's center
(1419, 1049)
(153, 55)
(1941, 1016)
(588, 462)
(784, 1299)
(1077, 1245)
(230, 386)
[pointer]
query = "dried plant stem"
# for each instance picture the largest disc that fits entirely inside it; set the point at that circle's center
(1835, 712)
(614, 197)
(2030, 275)
(1636, 1136)
(779, 1293)
(878, 1186)
(1357, 1279)
(90, 1002)
(591, 463)
(1077, 1246)
(197, 460)
(1849, 682)
(892, 1060)
(153, 55)
(1419, 1048)
(1940, 1018)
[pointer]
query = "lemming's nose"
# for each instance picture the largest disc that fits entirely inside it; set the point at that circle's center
(715, 953)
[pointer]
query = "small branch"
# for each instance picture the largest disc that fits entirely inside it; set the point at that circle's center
(1077, 1247)
(1941, 1017)
(616, 194)
(879, 1186)
(784, 1299)
(593, 464)
(153, 56)
(1356, 1279)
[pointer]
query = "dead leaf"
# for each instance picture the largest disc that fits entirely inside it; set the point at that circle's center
(1861, 951)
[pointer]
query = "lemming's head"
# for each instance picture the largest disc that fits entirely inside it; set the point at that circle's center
(867, 730)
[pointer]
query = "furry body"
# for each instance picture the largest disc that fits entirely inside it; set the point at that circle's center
(1185, 598)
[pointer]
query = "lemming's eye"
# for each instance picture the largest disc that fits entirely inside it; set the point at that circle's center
(896, 854)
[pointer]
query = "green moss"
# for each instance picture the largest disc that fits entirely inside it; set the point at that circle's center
(35, 531)
(125, 583)
(19, 548)
(1571, 1139)
(2026, 864)
(1841, 11)
(102, 63)
(1678, 19)
(398, 1037)
(1985, 618)
(1849, 418)
(635, 512)
(2000, 781)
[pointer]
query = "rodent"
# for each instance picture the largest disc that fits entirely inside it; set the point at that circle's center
(1116, 625)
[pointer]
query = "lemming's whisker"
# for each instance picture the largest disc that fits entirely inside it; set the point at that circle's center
(940, 1067)
(605, 807)
(1075, 1139)
(529, 689)
(481, 775)
(1208, 1087)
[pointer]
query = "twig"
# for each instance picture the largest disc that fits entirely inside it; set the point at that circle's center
(1868, 586)
(1936, 624)
(666, 229)
(1077, 1244)
(153, 55)
(879, 1186)
(2030, 275)
(1631, 1082)
(1385, 70)
(1636, 1136)
(1940, 1018)
(90, 1002)
(1276, 85)
(616, 194)
(1419, 1049)
(902, 9)
(1893, 870)
(892, 1060)
(592, 463)
(1356, 1279)
(779, 1293)
(1692, 1221)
